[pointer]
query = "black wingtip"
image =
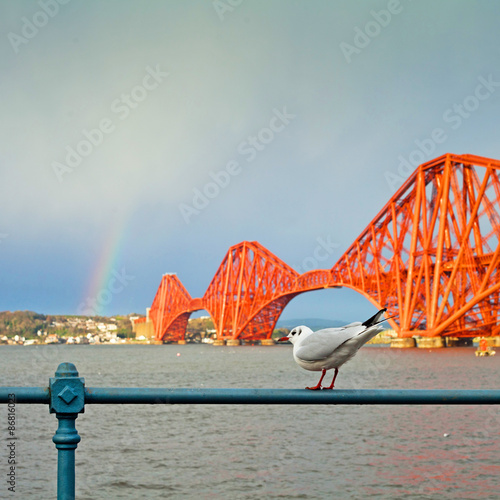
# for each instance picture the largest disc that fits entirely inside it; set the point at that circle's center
(374, 319)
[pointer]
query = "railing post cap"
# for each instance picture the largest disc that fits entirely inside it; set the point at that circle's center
(67, 390)
(66, 370)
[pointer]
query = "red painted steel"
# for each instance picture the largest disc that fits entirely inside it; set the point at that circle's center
(170, 310)
(431, 256)
(249, 292)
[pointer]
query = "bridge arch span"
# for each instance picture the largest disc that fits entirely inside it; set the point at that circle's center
(431, 256)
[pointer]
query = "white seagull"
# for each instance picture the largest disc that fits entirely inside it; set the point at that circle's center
(331, 347)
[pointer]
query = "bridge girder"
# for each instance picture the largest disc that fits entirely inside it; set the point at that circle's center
(431, 256)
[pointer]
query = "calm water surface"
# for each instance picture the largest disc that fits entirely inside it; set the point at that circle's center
(246, 452)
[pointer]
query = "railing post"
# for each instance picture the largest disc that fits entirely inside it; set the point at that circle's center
(67, 399)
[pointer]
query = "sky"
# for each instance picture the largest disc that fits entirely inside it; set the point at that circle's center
(140, 138)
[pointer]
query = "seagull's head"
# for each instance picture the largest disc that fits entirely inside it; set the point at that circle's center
(296, 334)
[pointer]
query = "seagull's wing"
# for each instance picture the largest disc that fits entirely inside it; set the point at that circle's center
(356, 323)
(323, 343)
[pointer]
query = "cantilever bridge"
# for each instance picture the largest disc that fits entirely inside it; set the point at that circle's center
(431, 256)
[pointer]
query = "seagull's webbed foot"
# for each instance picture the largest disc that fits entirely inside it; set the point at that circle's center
(318, 387)
(315, 388)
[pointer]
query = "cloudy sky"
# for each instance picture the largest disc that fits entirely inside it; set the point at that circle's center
(139, 138)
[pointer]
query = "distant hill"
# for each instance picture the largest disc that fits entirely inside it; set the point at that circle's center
(312, 323)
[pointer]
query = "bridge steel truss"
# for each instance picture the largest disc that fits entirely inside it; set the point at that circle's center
(431, 256)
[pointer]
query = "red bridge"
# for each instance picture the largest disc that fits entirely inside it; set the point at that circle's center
(431, 256)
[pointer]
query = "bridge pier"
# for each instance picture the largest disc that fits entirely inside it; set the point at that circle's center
(430, 342)
(267, 342)
(403, 343)
(233, 342)
(459, 341)
(493, 341)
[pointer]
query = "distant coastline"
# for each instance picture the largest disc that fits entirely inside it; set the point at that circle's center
(31, 328)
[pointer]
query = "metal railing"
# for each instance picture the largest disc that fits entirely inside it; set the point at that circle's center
(67, 396)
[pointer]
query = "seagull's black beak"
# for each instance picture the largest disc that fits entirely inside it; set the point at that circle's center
(283, 339)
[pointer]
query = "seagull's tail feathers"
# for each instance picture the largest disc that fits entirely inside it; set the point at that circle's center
(372, 327)
(374, 319)
(367, 334)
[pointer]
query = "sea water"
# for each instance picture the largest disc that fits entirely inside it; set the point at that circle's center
(258, 451)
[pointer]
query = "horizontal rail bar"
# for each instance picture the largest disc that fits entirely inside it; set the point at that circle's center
(103, 395)
(31, 395)
(289, 396)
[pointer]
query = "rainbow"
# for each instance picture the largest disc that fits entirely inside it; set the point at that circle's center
(103, 268)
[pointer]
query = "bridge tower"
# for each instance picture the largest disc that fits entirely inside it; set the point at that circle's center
(431, 256)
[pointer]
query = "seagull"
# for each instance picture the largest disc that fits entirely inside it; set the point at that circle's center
(331, 347)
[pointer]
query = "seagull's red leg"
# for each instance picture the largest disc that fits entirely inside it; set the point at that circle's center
(318, 387)
(333, 381)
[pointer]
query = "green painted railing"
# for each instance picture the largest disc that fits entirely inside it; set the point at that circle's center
(67, 396)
